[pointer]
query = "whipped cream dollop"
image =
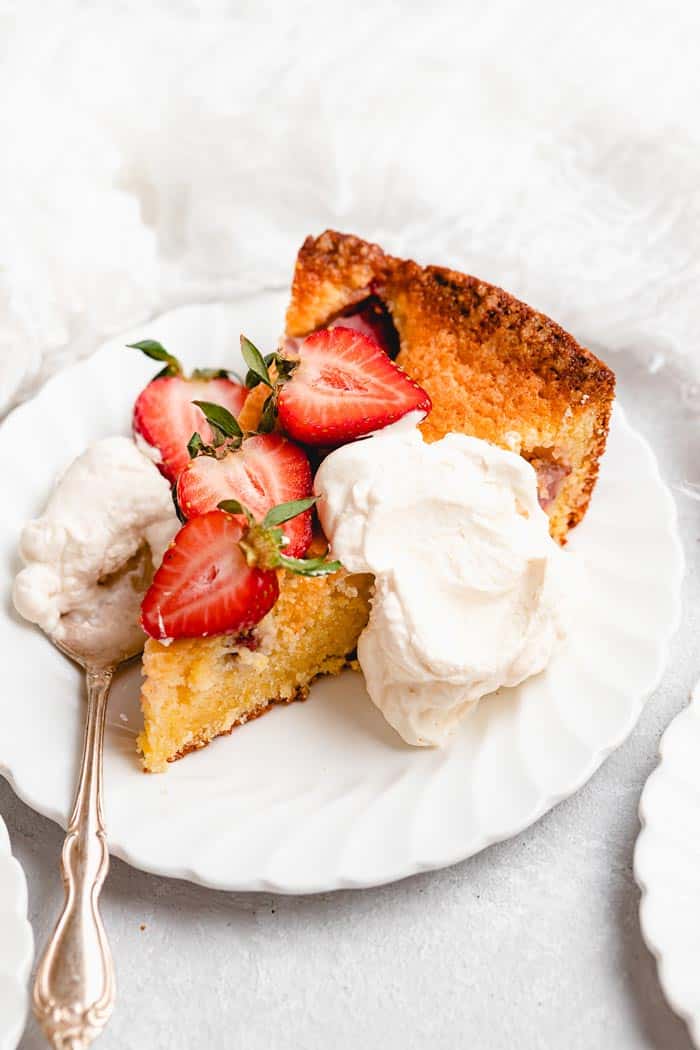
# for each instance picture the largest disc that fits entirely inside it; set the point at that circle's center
(90, 557)
(469, 585)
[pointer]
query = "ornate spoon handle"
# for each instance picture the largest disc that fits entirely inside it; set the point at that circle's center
(74, 988)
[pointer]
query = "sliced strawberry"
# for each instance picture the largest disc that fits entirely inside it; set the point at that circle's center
(205, 584)
(344, 386)
(371, 318)
(266, 470)
(220, 576)
(166, 419)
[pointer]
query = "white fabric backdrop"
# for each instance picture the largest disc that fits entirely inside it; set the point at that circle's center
(158, 152)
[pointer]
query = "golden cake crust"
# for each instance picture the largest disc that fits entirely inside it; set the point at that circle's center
(196, 689)
(203, 739)
(493, 366)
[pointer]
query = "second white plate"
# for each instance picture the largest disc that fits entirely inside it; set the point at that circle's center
(324, 795)
(667, 864)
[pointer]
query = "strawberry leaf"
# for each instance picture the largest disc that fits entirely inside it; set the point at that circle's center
(195, 445)
(268, 416)
(155, 350)
(221, 418)
(262, 542)
(309, 566)
(232, 506)
(256, 363)
(210, 373)
(285, 368)
(252, 379)
(284, 511)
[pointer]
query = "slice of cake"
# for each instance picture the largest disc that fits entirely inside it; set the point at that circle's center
(198, 688)
(492, 367)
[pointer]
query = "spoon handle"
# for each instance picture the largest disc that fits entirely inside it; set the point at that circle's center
(74, 987)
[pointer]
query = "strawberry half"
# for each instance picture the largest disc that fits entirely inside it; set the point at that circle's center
(344, 386)
(264, 470)
(371, 318)
(219, 574)
(164, 416)
(205, 585)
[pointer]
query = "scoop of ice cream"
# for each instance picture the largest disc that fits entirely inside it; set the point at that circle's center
(89, 557)
(469, 583)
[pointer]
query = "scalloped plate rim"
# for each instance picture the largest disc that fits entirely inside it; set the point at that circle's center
(646, 882)
(459, 852)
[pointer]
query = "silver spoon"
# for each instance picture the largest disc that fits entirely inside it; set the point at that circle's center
(74, 986)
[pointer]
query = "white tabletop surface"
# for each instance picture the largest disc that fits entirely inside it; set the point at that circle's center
(535, 943)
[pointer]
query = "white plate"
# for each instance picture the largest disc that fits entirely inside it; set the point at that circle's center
(324, 795)
(16, 945)
(667, 864)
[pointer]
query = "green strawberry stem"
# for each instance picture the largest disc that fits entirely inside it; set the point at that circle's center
(262, 543)
(227, 432)
(155, 350)
(259, 372)
(152, 348)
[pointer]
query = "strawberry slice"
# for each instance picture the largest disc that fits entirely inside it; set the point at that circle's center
(265, 470)
(204, 584)
(371, 318)
(220, 576)
(164, 416)
(343, 387)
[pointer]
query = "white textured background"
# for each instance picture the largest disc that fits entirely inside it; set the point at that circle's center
(156, 153)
